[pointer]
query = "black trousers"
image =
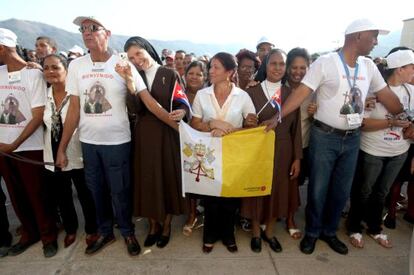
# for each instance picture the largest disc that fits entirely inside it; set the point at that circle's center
(219, 219)
(5, 236)
(59, 184)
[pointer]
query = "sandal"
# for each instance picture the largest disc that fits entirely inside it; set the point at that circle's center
(356, 240)
(381, 239)
(188, 228)
(295, 233)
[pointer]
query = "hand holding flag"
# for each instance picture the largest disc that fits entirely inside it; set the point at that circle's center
(276, 101)
(179, 95)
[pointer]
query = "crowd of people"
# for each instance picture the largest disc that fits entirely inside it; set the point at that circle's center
(108, 125)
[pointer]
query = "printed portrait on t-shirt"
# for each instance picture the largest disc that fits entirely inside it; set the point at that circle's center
(95, 101)
(352, 102)
(10, 113)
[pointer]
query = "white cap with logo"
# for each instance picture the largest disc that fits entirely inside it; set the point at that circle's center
(8, 38)
(361, 25)
(399, 59)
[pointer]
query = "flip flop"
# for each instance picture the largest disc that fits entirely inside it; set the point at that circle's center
(382, 240)
(356, 240)
(295, 233)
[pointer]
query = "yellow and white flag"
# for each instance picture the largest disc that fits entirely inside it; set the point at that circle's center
(237, 165)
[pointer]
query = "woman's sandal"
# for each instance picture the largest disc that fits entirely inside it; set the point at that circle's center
(295, 233)
(356, 240)
(188, 228)
(381, 239)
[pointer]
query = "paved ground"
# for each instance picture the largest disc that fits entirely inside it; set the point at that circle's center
(183, 255)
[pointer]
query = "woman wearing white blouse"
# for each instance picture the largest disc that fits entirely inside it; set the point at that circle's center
(221, 109)
(59, 181)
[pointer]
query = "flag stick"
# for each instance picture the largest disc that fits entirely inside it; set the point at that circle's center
(264, 106)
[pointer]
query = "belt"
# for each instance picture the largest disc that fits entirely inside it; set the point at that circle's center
(326, 128)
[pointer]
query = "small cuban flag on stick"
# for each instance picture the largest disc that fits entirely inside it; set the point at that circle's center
(276, 102)
(179, 95)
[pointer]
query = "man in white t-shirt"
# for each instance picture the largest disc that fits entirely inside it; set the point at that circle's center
(98, 104)
(341, 80)
(22, 99)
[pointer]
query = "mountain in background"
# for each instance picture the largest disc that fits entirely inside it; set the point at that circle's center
(28, 31)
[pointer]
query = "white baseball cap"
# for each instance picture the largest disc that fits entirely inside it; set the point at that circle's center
(8, 38)
(364, 24)
(399, 59)
(76, 49)
(80, 19)
(262, 40)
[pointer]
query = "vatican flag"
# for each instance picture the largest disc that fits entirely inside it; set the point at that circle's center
(237, 165)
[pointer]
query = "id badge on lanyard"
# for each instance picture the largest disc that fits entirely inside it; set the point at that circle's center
(98, 66)
(14, 77)
(353, 120)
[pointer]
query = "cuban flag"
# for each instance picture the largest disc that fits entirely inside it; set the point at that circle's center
(276, 102)
(179, 95)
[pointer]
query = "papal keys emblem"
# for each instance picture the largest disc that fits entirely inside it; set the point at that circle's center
(200, 157)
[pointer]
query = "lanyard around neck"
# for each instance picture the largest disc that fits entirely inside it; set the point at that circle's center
(348, 76)
(409, 97)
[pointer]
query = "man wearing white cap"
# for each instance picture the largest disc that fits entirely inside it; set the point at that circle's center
(22, 97)
(98, 104)
(263, 47)
(341, 80)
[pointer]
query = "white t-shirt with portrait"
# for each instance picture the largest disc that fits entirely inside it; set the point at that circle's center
(73, 151)
(102, 93)
(388, 142)
(327, 77)
(236, 107)
(18, 96)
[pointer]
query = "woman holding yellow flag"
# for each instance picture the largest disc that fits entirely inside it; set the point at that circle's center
(221, 109)
(288, 152)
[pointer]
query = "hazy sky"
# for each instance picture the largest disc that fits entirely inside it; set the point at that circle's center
(314, 24)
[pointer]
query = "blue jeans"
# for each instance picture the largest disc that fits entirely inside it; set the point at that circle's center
(107, 175)
(373, 180)
(332, 162)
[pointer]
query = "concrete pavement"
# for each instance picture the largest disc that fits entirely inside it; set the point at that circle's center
(183, 255)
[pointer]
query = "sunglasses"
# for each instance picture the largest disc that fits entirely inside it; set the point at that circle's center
(91, 28)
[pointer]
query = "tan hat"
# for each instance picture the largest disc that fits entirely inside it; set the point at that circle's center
(80, 19)
(361, 25)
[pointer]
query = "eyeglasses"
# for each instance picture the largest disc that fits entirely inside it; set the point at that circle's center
(91, 28)
(247, 69)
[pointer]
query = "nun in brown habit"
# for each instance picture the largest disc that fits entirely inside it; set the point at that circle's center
(156, 149)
